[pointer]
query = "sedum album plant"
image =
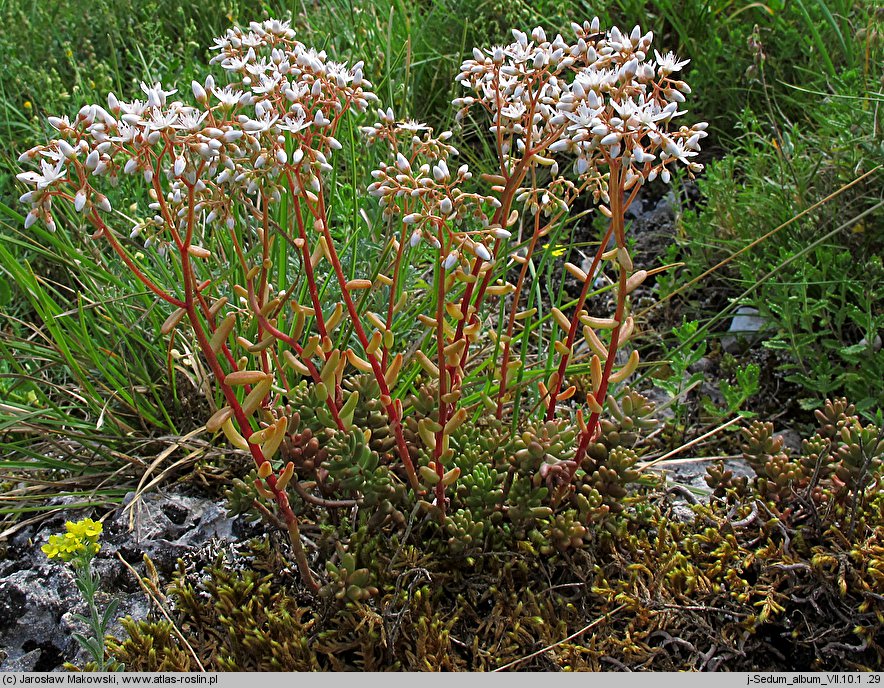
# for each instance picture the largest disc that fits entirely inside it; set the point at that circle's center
(248, 246)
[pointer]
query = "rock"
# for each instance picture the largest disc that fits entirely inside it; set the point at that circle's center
(663, 214)
(876, 343)
(32, 603)
(746, 319)
(744, 330)
(667, 203)
(688, 478)
(681, 511)
(704, 365)
(692, 474)
(165, 527)
(659, 398)
(791, 441)
(38, 597)
(635, 210)
(25, 662)
(712, 392)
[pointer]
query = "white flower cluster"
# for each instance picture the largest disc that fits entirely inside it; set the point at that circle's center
(420, 186)
(270, 130)
(599, 98)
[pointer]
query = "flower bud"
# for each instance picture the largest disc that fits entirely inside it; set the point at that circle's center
(80, 200)
(482, 252)
(199, 92)
(92, 160)
(66, 149)
(610, 139)
(502, 234)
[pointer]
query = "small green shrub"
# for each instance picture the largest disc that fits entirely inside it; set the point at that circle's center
(816, 281)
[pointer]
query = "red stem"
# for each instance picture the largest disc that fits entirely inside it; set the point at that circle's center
(590, 276)
(286, 339)
(443, 374)
(588, 434)
(512, 318)
(575, 323)
(386, 399)
(243, 422)
(305, 257)
(397, 268)
(121, 252)
(617, 223)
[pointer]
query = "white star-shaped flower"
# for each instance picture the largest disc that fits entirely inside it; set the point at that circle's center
(51, 174)
(669, 63)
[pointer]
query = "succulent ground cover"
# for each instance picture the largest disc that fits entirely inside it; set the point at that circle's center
(780, 571)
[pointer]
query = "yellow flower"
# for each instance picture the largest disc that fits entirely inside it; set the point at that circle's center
(51, 548)
(81, 537)
(87, 528)
(28, 105)
(64, 547)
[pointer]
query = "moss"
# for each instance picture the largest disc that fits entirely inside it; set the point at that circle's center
(775, 572)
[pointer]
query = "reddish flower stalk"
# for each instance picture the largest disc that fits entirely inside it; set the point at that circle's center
(394, 293)
(190, 306)
(597, 104)
(283, 337)
(614, 114)
(565, 359)
(307, 262)
(392, 407)
(104, 231)
(539, 232)
(441, 440)
(511, 323)
(588, 433)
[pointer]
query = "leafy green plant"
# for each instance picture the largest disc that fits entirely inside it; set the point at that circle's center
(831, 327)
(676, 379)
(787, 231)
(77, 547)
(745, 386)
